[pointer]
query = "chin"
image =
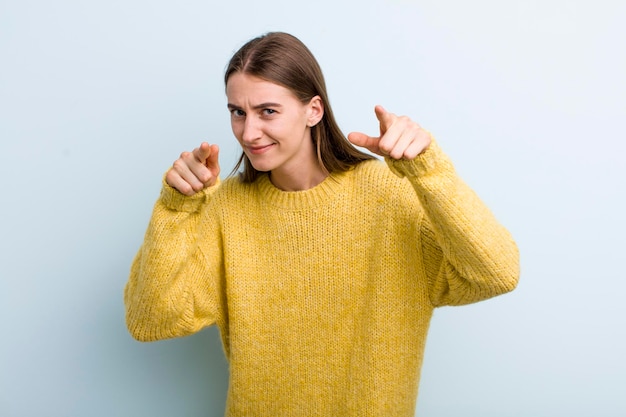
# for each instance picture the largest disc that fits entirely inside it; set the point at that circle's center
(260, 165)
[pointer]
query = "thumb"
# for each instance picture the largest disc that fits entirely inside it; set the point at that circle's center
(361, 139)
(385, 118)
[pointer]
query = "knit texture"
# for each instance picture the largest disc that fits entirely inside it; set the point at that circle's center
(323, 297)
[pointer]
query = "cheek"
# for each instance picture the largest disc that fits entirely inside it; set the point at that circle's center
(237, 130)
(294, 129)
(273, 132)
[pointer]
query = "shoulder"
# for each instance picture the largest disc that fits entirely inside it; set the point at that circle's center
(376, 175)
(374, 192)
(227, 194)
(232, 188)
(378, 185)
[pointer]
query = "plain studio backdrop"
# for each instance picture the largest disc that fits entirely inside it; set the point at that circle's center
(98, 98)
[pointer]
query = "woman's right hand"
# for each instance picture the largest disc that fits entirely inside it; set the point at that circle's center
(196, 170)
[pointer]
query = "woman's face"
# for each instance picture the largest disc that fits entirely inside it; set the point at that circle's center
(272, 125)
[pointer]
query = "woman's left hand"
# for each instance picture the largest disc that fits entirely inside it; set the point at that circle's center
(400, 137)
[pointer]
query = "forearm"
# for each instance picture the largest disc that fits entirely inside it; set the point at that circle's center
(168, 273)
(476, 257)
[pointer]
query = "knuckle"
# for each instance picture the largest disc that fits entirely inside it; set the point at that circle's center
(204, 176)
(385, 147)
(396, 154)
(186, 189)
(178, 164)
(409, 155)
(405, 122)
(410, 123)
(181, 186)
(169, 177)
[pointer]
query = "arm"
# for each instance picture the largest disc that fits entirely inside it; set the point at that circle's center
(172, 289)
(468, 256)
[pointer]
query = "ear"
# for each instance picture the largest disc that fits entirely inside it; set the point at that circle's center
(315, 111)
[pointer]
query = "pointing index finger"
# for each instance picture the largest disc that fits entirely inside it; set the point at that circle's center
(385, 118)
(203, 152)
(212, 162)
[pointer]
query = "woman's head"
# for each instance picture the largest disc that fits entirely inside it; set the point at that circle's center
(282, 59)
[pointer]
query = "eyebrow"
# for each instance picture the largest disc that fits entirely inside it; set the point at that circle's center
(257, 107)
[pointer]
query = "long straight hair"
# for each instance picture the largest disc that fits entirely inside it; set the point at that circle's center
(283, 59)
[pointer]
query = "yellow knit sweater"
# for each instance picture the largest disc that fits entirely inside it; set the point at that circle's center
(323, 297)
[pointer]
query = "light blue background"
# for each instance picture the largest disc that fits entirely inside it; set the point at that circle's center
(97, 98)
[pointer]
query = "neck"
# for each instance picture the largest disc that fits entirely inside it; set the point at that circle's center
(298, 181)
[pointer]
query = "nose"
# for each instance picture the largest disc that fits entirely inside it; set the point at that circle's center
(251, 130)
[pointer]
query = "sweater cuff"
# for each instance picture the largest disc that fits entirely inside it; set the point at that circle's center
(431, 160)
(177, 201)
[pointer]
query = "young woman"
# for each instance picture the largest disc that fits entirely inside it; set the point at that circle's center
(320, 265)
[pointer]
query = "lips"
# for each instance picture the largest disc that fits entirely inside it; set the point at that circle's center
(258, 150)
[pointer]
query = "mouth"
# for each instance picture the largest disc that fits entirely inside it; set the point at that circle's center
(258, 150)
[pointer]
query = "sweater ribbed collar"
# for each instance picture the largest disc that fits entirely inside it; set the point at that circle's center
(322, 194)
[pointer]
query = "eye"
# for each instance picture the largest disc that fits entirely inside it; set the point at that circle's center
(269, 112)
(237, 112)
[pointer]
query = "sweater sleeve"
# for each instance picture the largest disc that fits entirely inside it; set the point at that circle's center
(468, 255)
(172, 289)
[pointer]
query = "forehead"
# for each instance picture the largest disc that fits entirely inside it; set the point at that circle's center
(244, 87)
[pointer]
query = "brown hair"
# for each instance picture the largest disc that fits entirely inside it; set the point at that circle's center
(283, 59)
